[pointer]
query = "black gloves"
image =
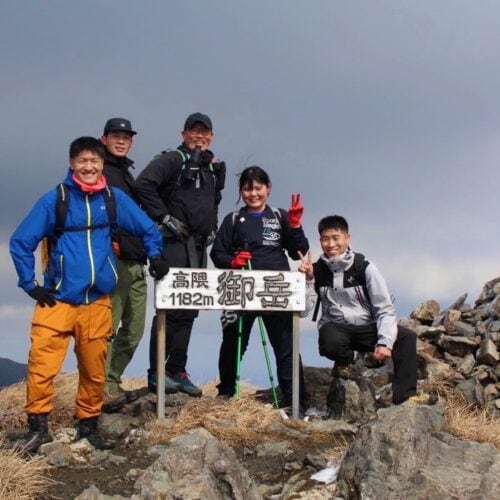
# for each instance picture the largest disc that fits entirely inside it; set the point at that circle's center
(44, 296)
(158, 268)
(170, 226)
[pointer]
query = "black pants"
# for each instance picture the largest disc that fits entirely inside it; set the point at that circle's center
(280, 333)
(338, 343)
(179, 323)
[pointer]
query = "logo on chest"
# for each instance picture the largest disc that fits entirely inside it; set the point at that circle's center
(270, 235)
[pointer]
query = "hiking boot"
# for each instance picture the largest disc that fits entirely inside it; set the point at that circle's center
(115, 398)
(88, 429)
(37, 434)
(185, 385)
(341, 371)
(423, 399)
(171, 386)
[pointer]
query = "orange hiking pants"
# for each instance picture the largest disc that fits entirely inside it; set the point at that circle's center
(51, 331)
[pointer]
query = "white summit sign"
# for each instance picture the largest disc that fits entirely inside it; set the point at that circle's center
(186, 288)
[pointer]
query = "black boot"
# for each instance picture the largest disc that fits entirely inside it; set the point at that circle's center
(88, 429)
(37, 434)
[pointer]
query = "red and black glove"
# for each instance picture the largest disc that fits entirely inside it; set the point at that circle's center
(295, 211)
(241, 259)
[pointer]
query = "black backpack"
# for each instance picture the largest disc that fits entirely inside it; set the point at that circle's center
(353, 277)
(218, 171)
(62, 203)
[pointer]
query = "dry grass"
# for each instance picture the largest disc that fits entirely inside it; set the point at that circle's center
(240, 422)
(336, 452)
(235, 421)
(13, 398)
(21, 478)
(465, 421)
(470, 423)
(133, 383)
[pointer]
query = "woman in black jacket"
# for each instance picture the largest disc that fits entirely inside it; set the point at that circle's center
(260, 234)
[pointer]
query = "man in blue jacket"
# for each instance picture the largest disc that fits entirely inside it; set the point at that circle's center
(74, 300)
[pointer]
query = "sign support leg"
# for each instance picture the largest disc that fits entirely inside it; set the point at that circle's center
(296, 368)
(161, 333)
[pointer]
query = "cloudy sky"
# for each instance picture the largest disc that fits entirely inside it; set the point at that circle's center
(386, 112)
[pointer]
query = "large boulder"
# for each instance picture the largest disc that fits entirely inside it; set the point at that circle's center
(426, 311)
(407, 453)
(197, 465)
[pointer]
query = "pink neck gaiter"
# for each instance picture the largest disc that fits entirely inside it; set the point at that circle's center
(91, 188)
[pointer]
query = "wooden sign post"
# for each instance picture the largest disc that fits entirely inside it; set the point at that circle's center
(224, 289)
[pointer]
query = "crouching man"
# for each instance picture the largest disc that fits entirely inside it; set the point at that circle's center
(78, 218)
(357, 311)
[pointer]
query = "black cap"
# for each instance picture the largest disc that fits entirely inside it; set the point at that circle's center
(197, 117)
(118, 125)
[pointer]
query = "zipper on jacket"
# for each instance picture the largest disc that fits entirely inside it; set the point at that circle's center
(115, 272)
(89, 248)
(61, 259)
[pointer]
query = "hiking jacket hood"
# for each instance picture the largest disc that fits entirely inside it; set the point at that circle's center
(82, 265)
(347, 305)
(116, 171)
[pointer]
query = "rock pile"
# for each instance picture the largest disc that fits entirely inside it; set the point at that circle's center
(461, 344)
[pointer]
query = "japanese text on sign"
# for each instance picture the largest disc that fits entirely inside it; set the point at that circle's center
(184, 288)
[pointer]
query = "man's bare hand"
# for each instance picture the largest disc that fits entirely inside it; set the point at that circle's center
(381, 352)
(306, 265)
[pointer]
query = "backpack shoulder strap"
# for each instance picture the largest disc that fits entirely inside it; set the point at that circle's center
(110, 202)
(235, 219)
(62, 202)
(278, 214)
(185, 157)
(322, 277)
(360, 264)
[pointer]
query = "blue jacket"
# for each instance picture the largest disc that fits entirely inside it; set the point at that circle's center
(82, 263)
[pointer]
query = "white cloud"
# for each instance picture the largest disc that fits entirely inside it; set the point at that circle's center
(424, 277)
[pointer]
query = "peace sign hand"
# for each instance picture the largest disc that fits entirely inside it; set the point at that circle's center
(306, 265)
(295, 211)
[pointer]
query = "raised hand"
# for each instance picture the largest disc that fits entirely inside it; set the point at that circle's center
(295, 211)
(306, 265)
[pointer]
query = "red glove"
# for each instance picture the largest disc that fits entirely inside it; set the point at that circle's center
(295, 211)
(241, 259)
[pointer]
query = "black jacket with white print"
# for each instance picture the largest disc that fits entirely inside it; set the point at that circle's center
(266, 235)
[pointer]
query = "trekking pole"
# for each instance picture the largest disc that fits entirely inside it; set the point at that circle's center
(263, 338)
(238, 345)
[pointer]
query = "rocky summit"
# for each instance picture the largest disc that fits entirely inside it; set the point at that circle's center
(353, 443)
